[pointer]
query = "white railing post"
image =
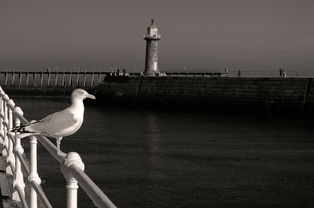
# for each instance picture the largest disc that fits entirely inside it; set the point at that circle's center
(10, 157)
(18, 181)
(1, 116)
(71, 158)
(33, 176)
(5, 125)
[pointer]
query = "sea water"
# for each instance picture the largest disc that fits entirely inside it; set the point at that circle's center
(158, 159)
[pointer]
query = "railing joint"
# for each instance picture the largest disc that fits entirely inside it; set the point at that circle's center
(71, 159)
(34, 178)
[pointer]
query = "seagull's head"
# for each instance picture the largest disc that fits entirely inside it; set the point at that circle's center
(80, 94)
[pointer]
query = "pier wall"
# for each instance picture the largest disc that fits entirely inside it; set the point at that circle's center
(211, 93)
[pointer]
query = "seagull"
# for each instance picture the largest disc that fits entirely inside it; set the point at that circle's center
(59, 124)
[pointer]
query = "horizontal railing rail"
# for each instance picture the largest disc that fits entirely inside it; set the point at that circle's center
(238, 73)
(57, 78)
(51, 78)
(72, 166)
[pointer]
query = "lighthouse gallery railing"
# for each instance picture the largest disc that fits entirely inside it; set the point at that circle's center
(72, 166)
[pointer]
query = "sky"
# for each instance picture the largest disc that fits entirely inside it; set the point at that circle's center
(195, 34)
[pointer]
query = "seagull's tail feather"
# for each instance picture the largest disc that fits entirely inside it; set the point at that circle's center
(22, 128)
(19, 129)
(24, 131)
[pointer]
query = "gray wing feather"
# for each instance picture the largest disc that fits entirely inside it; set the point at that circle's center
(53, 123)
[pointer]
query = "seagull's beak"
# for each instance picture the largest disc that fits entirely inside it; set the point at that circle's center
(91, 96)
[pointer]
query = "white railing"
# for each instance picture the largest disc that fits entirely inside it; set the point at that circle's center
(71, 166)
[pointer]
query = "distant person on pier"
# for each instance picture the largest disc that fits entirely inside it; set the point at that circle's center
(239, 73)
(280, 72)
(284, 73)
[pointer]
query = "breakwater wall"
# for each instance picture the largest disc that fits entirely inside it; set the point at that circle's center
(211, 93)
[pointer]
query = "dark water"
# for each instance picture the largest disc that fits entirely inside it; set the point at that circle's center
(184, 159)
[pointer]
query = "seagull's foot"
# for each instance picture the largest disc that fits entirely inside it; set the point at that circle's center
(60, 153)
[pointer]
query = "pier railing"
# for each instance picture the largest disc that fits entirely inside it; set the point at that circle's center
(241, 73)
(51, 78)
(71, 164)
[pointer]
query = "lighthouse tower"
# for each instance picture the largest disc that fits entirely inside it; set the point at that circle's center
(151, 60)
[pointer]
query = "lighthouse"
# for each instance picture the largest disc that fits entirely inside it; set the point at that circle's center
(151, 60)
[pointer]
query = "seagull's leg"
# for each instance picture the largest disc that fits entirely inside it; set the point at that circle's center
(58, 145)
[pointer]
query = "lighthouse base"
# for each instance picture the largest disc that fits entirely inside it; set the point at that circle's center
(150, 73)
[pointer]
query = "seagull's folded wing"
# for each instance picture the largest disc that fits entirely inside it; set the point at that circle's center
(55, 124)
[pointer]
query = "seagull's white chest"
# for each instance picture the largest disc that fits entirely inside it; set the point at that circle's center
(78, 112)
(78, 117)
